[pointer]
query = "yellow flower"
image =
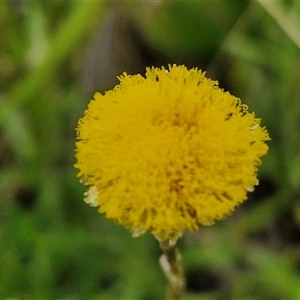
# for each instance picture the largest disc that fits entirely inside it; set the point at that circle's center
(168, 152)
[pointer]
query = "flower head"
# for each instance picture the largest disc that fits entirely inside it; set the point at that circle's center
(168, 152)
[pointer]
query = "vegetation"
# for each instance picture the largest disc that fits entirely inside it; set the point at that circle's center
(53, 57)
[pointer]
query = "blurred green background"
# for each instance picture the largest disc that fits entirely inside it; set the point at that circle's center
(53, 56)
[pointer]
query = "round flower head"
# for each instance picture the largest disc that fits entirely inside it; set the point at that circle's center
(168, 152)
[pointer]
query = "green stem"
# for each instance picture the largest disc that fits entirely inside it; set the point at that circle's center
(170, 262)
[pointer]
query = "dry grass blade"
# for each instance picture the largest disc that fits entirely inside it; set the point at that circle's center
(287, 20)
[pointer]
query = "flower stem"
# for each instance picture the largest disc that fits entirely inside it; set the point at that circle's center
(171, 265)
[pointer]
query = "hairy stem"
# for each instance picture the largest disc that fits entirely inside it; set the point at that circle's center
(171, 265)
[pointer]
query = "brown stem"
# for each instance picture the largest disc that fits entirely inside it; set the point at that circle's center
(171, 265)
